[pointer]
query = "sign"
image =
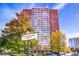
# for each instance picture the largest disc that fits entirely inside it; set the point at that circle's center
(29, 36)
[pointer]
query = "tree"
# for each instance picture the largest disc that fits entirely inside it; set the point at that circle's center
(18, 26)
(46, 49)
(64, 47)
(63, 43)
(33, 43)
(55, 41)
(14, 30)
(58, 42)
(2, 44)
(68, 49)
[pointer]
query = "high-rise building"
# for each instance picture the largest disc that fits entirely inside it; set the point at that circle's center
(41, 23)
(74, 42)
(54, 22)
(44, 21)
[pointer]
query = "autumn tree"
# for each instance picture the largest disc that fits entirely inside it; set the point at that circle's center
(46, 49)
(55, 41)
(18, 26)
(14, 30)
(33, 44)
(64, 48)
(63, 43)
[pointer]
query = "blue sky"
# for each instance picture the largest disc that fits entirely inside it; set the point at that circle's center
(68, 15)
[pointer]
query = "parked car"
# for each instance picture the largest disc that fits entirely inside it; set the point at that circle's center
(52, 54)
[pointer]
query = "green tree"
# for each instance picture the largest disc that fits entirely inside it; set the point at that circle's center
(55, 41)
(2, 44)
(14, 30)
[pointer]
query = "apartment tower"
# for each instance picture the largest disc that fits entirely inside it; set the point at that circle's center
(45, 21)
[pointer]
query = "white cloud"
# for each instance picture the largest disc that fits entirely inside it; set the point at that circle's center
(73, 35)
(59, 6)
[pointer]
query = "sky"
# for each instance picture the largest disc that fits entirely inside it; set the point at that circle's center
(68, 15)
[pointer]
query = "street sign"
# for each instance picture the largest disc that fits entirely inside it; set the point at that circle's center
(29, 36)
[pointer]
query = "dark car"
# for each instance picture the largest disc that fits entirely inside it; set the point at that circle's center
(52, 54)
